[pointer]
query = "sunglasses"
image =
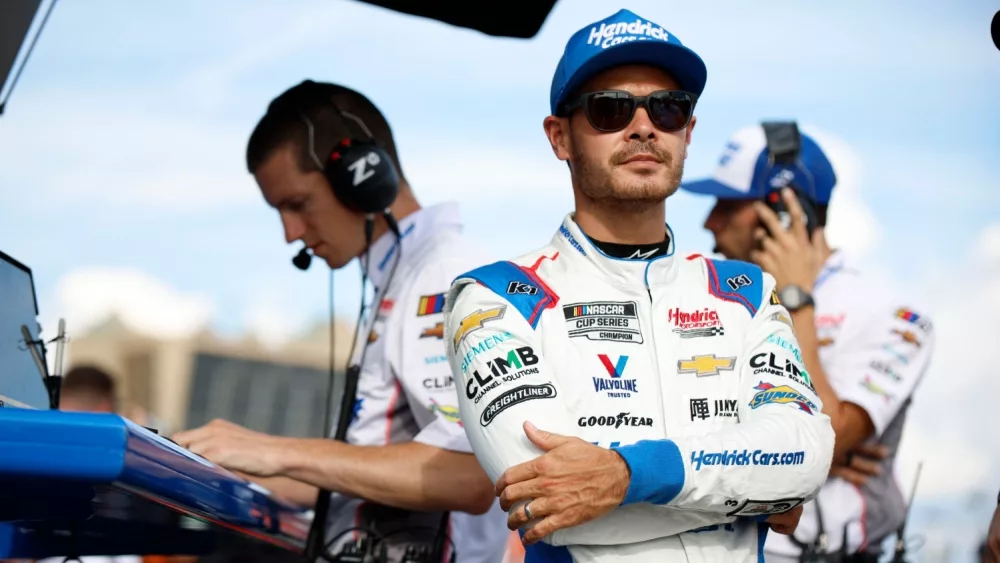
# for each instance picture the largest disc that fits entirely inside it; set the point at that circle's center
(609, 111)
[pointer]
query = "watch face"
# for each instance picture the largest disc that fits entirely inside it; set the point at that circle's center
(791, 297)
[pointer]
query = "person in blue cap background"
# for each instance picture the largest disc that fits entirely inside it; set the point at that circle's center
(866, 349)
(591, 364)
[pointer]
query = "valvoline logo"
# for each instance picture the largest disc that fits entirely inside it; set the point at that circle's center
(615, 386)
(782, 394)
(616, 369)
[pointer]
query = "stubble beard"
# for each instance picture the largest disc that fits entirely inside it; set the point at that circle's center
(597, 182)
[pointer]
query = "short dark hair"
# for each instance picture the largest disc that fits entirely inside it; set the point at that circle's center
(318, 101)
(89, 381)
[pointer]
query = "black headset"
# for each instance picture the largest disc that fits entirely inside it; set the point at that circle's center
(359, 171)
(785, 170)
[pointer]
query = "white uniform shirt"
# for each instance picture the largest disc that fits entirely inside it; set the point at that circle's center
(874, 349)
(406, 392)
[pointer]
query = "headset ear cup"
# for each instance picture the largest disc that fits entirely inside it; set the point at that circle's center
(362, 176)
(809, 208)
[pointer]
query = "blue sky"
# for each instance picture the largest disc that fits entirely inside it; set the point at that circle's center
(122, 180)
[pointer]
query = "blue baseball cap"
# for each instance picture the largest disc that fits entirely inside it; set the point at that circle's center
(744, 172)
(624, 39)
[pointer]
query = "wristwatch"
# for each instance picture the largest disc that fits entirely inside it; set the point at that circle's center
(793, 297)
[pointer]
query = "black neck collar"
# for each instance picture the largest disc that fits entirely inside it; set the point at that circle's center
(634, 251)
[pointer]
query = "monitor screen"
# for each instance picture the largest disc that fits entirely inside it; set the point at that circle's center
(21, 384)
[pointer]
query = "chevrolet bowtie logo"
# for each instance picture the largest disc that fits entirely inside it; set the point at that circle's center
(706, 365)
(436, 331)
(908, 337)
(475, 322)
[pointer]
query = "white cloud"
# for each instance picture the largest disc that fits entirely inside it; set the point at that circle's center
(88, 296)
(951, 423)
(989, 243)
(123, 157)
(852, 226)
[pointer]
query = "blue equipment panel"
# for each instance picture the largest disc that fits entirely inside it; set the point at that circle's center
(58, 468)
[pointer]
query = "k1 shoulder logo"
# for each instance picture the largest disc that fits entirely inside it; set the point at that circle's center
(695, 324)
(514, 397)
(514, 366)
(615, 386)
(516, 287)
(739, 281)
(614, 321)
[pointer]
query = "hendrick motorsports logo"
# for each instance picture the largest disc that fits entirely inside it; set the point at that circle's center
(699, 323)
(513, 397)
(746, 457)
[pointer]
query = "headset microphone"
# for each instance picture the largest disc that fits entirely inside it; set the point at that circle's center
(303, 259)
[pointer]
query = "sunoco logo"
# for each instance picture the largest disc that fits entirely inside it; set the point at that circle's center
(615, 421)
(609, 35)
(513, 397)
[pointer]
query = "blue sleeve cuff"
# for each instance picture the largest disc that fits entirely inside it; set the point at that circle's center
(657, 471)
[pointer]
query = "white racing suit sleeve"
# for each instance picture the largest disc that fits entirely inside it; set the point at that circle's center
(419, 362)
(775, 459)
(503, 380)
(879, 367)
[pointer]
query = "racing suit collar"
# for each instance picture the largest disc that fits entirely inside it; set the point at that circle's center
(414, 228)
(835, 263)
(576, 247)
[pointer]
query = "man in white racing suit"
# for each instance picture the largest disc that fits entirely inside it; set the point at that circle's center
(865, 345)
(631, 403)
(406, 459)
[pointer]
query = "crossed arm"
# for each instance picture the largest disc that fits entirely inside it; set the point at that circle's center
(578, 493)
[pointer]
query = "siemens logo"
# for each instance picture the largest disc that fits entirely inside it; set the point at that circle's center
(483, 346)
(746, 457)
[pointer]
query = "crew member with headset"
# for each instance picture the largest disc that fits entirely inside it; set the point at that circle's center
(401, 467)
(866, 349)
